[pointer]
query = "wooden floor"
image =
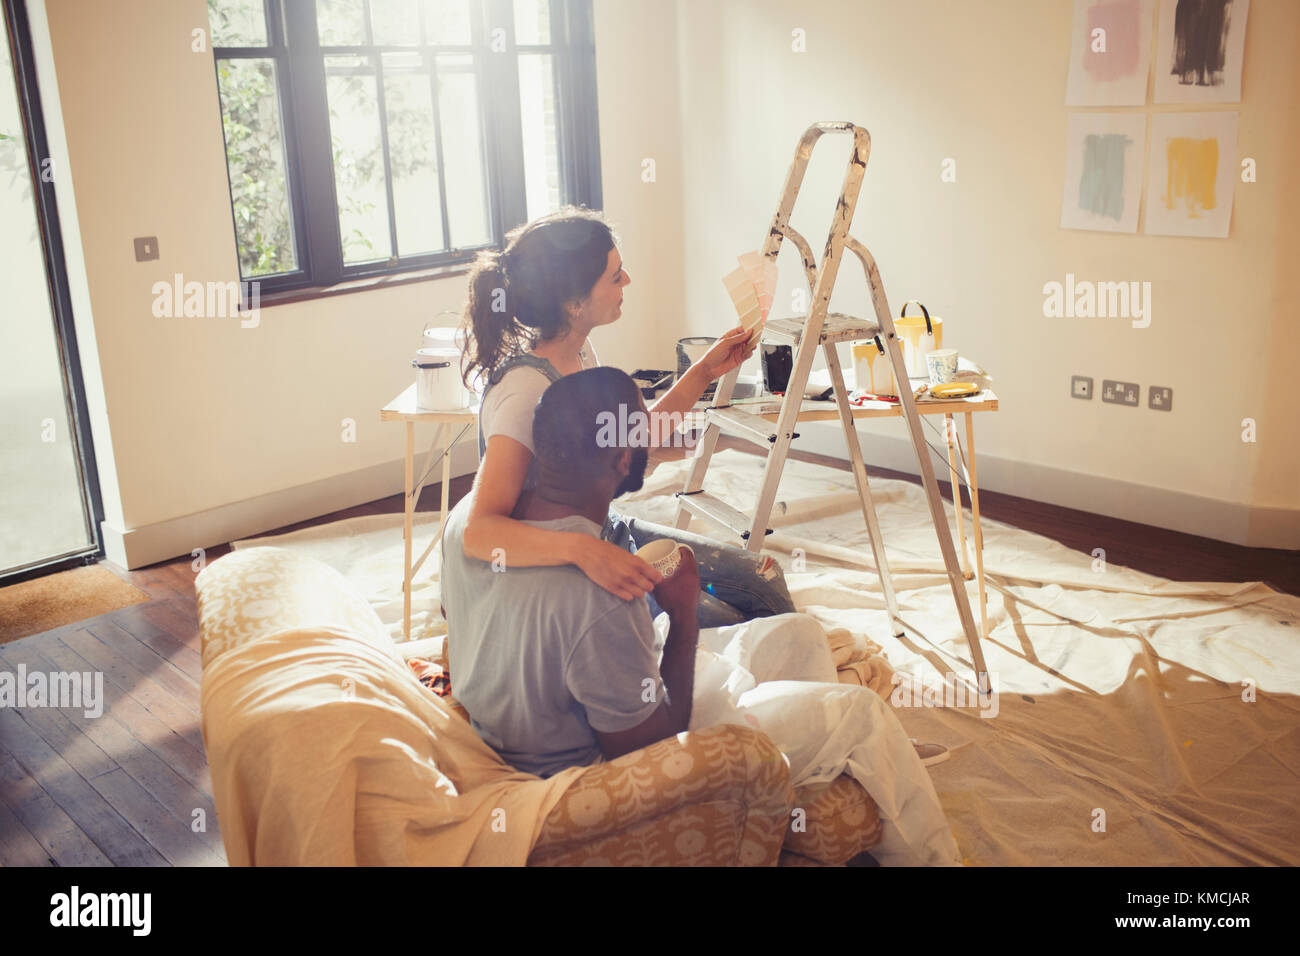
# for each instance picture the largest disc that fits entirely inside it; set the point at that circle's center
(132, 787)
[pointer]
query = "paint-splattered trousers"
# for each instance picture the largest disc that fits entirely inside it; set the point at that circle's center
(737, 585)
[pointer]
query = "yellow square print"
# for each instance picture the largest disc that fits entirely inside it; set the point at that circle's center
(1193, 167)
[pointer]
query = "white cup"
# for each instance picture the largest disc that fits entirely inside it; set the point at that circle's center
(664, 555)
(942, 365)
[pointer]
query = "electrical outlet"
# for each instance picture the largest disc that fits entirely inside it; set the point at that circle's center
(146, 248)
(1081, 386)
(1160, 398)
(1120, 393)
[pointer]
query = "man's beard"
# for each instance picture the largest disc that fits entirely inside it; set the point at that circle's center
(636, 473)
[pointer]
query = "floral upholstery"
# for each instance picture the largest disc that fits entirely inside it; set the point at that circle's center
(841, 821)
(719, 796)
(250, 593)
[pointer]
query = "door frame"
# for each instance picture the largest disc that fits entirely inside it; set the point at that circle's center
(18, 36)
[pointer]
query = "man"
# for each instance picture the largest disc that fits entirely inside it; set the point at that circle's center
(555, 671)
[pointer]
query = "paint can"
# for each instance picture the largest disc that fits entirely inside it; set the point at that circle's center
(778, 363)
(691, 350)
(437, 380)
(921, 334)
(880, 370)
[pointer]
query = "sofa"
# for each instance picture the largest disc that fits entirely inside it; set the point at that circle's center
(323, 744)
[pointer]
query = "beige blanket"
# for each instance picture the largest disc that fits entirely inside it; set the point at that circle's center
(327, 751)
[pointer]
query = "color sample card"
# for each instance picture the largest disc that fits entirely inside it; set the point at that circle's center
(1201, 46)
(1103, 171)
(1192, 174)
(1110, 53)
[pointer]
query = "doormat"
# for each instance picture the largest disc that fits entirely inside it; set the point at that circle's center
(42, 604)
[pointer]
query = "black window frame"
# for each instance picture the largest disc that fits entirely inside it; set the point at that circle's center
(292, 42)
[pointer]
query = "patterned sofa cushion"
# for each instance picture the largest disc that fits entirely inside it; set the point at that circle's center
(840, 821)
(716, 797)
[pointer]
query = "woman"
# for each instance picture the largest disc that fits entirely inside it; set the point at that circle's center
(530, 311)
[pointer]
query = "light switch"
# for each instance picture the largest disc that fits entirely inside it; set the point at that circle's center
(146, 248)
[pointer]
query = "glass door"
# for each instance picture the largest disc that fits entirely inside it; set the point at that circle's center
(48, 492)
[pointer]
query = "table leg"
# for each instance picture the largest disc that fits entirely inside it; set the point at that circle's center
(408, 504)
(975, 520)
(950, 434)
(446, 481)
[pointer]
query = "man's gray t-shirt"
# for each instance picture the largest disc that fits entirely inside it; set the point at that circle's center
(542, 657)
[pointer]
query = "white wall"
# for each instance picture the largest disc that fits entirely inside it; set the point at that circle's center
(207, 431)
(983, 83)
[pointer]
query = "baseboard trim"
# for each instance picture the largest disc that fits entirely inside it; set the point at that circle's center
(1228, 521)
(1231, 522)
(139, 547)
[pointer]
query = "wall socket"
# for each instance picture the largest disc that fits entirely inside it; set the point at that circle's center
(1081, 386)
(1160, 398)
(146, 248)
(1120, 393)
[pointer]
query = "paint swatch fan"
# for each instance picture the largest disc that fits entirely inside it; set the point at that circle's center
(752, 288)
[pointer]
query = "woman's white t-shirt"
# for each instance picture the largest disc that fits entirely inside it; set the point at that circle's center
(509, 406)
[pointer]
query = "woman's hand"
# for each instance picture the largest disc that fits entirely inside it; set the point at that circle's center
(618, 571)
(727, 353)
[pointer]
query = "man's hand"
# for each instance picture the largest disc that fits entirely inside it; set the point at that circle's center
(679, 594)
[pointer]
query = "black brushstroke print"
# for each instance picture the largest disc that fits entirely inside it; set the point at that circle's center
(1200, 40)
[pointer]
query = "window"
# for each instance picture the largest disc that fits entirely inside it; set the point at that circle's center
(372, 137)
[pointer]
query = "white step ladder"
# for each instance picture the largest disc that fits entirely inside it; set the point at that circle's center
(805, 334)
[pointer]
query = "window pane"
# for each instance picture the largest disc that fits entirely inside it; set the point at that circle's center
(532, 21)
(447, 21)
(340, 22)
(462, 152)
(237, 22)
(250, 116)
(413, 153)
(395, 22)
(358, 158)
(541, 143)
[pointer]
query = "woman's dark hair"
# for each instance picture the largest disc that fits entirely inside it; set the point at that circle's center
(517, 297)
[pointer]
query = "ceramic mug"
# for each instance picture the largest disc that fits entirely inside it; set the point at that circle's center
(664, 555)
(942, 366)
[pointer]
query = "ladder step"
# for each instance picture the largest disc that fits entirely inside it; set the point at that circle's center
(707, 506)
(837, 327)
(743, 424)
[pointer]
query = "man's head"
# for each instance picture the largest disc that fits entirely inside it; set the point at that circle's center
(591, 436)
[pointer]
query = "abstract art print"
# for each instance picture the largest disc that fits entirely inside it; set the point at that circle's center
(1192, 174)
(1200, 50)
(1103, 171)
(1110, 53)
